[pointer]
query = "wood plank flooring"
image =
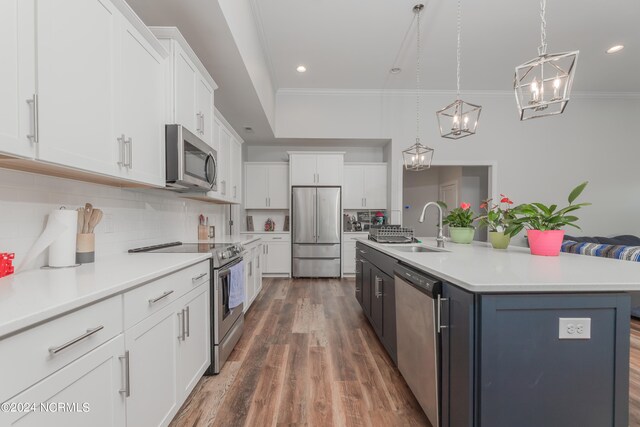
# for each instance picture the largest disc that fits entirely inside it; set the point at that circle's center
(307, 357)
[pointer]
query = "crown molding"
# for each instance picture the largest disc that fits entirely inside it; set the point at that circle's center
(413, 92)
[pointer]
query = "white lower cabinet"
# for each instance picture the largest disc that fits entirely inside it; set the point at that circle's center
(349, 251)
(253, 261)
(277, 257)
(152, 347)
(91, 385)
(107, 375)
(194, 349)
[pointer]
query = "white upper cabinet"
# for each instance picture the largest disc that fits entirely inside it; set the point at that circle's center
(17, 77)
(266, 186)
(204, 98)
(77, 74)
(316, 168)
(365, 186)
(141, 110)
(236, 171)
(190, 87)
(99, 75)
(375, 186)
(229, 147)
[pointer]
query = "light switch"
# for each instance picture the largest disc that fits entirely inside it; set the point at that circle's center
(574, 328)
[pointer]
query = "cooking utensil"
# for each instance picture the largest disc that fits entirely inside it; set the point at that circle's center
(80, 219)
(96, 217)
(88, 210)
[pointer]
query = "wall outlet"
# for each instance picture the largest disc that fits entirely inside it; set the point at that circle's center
(572, 328)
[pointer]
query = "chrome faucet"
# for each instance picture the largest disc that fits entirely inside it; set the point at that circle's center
(440, 238)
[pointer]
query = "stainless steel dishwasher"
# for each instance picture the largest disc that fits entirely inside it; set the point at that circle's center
(418, 298)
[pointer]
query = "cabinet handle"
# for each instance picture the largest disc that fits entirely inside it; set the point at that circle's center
(198, 122)
(362, 252)
(163, 296)
(121, 151)
(258, 260)
(250, 270)
(267, 249)
(440, 326)
(129, 144)
(33, 102)
(127, 378)
(188, 322)
(235, 191)
(202, 125)
(377, 287)
(181, 324)
(365, 202)
(277, 238)
(266, 202)
(198, 277)
(58, 349)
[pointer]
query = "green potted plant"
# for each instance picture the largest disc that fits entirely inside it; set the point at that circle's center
(460, 222)
(497, 218)
(544, 223)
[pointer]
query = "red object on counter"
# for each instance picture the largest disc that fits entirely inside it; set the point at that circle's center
(6, 263)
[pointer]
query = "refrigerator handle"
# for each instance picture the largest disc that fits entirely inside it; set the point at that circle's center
(315, 217)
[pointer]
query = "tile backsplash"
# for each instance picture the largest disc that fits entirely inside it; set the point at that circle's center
(132, 217)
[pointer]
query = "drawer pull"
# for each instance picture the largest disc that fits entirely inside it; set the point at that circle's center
(277, 238)
(155, 300)
(188, 322)
(127, 379)
(56, 350)
(195, 279)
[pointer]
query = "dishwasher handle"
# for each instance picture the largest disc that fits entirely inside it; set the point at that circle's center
(421, 281)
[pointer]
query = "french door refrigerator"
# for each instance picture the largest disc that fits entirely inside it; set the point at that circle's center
(316, 231)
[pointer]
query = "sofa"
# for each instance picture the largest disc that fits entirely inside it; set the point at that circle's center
(626, 248)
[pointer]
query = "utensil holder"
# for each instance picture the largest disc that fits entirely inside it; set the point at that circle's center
(85, 248)
(203, 232)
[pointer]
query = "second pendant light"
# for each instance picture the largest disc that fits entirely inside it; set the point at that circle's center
(460, 118)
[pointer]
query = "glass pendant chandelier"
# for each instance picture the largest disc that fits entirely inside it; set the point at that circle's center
(460, 118)
(417, 157)
(543, 85)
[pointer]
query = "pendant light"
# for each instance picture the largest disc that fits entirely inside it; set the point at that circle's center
(417, 157)
(543, 85)
(460, 118)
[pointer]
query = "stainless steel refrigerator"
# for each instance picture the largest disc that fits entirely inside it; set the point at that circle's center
(316, 228)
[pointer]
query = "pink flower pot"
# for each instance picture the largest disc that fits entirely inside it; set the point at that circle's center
(545, 243)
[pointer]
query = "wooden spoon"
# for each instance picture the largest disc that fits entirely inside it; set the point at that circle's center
(80, 219)
(96, 217)
(88, 209)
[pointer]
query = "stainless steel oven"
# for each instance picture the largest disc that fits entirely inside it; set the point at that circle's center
(227, 322)
(191, 165)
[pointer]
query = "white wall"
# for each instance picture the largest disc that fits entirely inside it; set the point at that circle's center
(538, 160)
(133, 218)
(418, 189)
(474, 188)
(271, 153)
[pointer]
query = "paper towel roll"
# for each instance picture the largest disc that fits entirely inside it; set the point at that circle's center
(62, 252)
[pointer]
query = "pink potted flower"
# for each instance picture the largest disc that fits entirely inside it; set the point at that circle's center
(544, 223)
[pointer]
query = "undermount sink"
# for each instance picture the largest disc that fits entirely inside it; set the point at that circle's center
(415, 249)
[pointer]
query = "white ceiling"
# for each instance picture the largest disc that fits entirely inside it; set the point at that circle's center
(352, 44)
(349, 44)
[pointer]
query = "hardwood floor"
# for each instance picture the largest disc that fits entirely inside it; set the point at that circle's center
(307, 357)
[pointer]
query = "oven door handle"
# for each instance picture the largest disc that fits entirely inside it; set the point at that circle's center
(227, 268)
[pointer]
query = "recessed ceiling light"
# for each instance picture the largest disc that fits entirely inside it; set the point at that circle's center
(248, 129)
(615, 49)
(395, 70)
(301, 68)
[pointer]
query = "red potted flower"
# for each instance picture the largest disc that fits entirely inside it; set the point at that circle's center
(544, 223)
(497, 219)
(460, 222)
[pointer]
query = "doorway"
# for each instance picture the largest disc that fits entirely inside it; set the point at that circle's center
(450, 184)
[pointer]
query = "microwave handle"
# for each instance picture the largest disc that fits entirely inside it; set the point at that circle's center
(211, 180)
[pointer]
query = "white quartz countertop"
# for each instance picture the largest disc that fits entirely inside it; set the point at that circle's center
(265, 232)
(480, 268)
(34, 296)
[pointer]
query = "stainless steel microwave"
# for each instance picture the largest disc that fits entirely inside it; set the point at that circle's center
(191, 165)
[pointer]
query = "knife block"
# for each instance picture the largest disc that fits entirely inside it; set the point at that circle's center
(203, 232)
